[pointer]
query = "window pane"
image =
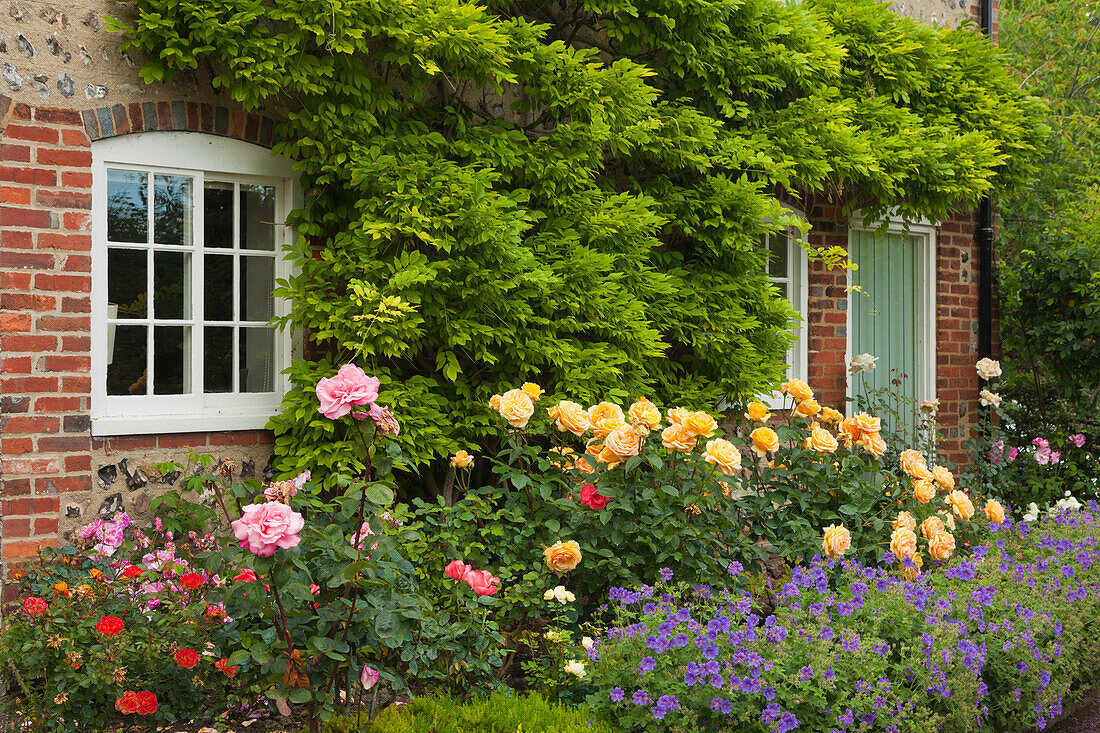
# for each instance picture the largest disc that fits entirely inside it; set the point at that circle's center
(257, 282)
(171, 284)
(217, 214)
(126, 360)
(783, 291)
(217, 359)
(127, 206)
(779, 245)
(172, 209)
(257, 359)
(257, 217)
(171, 359)
(218, 288)
(127, 282)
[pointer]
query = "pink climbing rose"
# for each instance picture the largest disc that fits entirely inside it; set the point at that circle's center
(483, 582)
(350, 387)
(265, 527)
(456, 570)
(368, 678)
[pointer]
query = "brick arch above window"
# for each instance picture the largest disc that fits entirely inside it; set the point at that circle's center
(179, 116)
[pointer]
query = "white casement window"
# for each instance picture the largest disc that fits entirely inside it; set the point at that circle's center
(788, 269)
(187, 239)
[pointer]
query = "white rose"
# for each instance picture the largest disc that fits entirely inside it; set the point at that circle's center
(1032, 513)
(587, 642)
(989, 398)
(575, 667)
(932, 406)
(862, 363)
(988, 369)
(548, 595)
(555, 636)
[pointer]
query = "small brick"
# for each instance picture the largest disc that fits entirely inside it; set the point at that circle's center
(63, 323)
(75, 138)
(243, 437)
(29, 466)
(15, 153)
(35, 176)
(25, 550)
(182, 440)
(15, 322)
(14, 405)
(29, 424)
(70, 242)
(77, 423)
(132, 442)
(64, 199)
(63, 283)
(15, 487)
(77, 222)
(66, 363)
(10, 239)
(65, 444)
(78, 263)
(76, 179)
(27, 301)
(30, 218)
(76, 385)
(16, 446)
(26, 260)
(45, 525)
(10, 365)
(32, 133)
(56, 116)
(13, 195)
(79, 463)
(17, 527)
(28, 385)
(56, 404)
(22, 111)
(65, 158)
(76, 305)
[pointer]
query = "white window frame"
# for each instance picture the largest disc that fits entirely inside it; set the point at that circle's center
(185, 153)
(798, 282)
(927, 231)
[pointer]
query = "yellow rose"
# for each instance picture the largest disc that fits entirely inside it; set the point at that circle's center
(994, 511)
(757, 412)
(693, 509)
(923, 491)
(623, 442)
(913, 463)
(678, 439)
(931, 527)
(564, 453)
(583, 466)
(872, 443)
(905, 521)
(604, 418)
(960, 504)
(912, 572)
(700, 424)
(849, 430)
(798, 390)
(941, 546)
(516, 407)
(593, 448)
(678, 415)
(724, 455)
(948, 519)
(533, 390)
(569, 417)
(903, 542)
(807, 408)
(820, 440)
(866, 423)
(831, 416)
(494, 402)
(462, 459)
(645, 413)
(561, 557)
(837, 541)
(943, 478)
(610, 457)
(764, 440)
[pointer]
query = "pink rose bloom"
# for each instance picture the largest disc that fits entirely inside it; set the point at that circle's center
(301, 479)
(457, 570)
(265, 527)
(361, 544)
(314, 589)
(89, 531)
(1078, 440)
(483, 582)
(384, 420)
(368, 678)
(351, 386)
(1012, 453)
(1055, 456)
(1043, 456)
(1041, 443)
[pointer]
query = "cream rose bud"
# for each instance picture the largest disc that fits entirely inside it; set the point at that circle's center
(587, 642)
(576, 668)
(548, 595)
(989, 398)
(988, 368)
(862, 363)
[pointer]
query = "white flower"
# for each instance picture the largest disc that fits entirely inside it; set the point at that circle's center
(989, 398)
(932, 406)
(587, 642)
(548, 595)
(560, 594)
(1067, 504)
(862, 363)
(988, 369)
(1032, 513)
(575, 667)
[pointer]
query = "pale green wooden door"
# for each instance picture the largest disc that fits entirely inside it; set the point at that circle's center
(888, 320)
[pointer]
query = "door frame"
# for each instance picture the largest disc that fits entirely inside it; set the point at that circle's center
(925, 231)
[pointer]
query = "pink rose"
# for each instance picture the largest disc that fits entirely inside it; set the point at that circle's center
(1012, 453)
(1078, 440)
(368, 678)
(457, 570)
(1040, 443)
(361, 544)
(351, 386)
(483, 582)
(264, 527)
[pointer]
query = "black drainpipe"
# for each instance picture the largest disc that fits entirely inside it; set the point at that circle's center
(984, 235)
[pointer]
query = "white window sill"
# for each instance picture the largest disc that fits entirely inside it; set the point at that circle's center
(154, 424)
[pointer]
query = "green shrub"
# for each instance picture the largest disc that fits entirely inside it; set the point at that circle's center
(502, 712)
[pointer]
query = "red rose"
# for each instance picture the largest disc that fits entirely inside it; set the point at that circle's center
(132, 571)
(147, 703)
(191, 581)
(187, 658)
(245, 576)
(222, 665)
(109, 625)
(591, 497)
(128, 703)
(35, 606)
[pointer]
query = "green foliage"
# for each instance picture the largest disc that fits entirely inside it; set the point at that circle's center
(575, 193)
(502, 712)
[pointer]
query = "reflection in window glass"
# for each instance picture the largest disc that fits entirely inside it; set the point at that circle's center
(217, 214)
(126, 363)
(172, 285)
(171, 359)
(127, 281)
(218, 288)
(127, 206)
(257, 282)
(172, 210)
(257, 217)
(779, 245)
(257, 363)
(217, 362)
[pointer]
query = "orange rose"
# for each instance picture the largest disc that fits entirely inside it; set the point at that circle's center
(872, 443)
(798, 390)
(644, 413)
(593, 448)
(866, 423)
(837, 541)
(583, 466)
(913, 463)
(569, 417)
(516, 407)
(849, 430)
(948, 520)
(994, 511)
(533, 390)
(700, 424)
(960, 504)
(610, 457)
(943, 478)
(820, 440)
(462, 459)
(905, 521)
(807, 408)
(931, 527)
(903, 543)
(623, 442)
(564, 453)
(757, 412)
(561, 557)
(941, 546)
(923, 491)
(724, 455)
(764, 440)
(831, 416)
(678, 439)
(604, 418)
(494, 402)
(678, 415)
